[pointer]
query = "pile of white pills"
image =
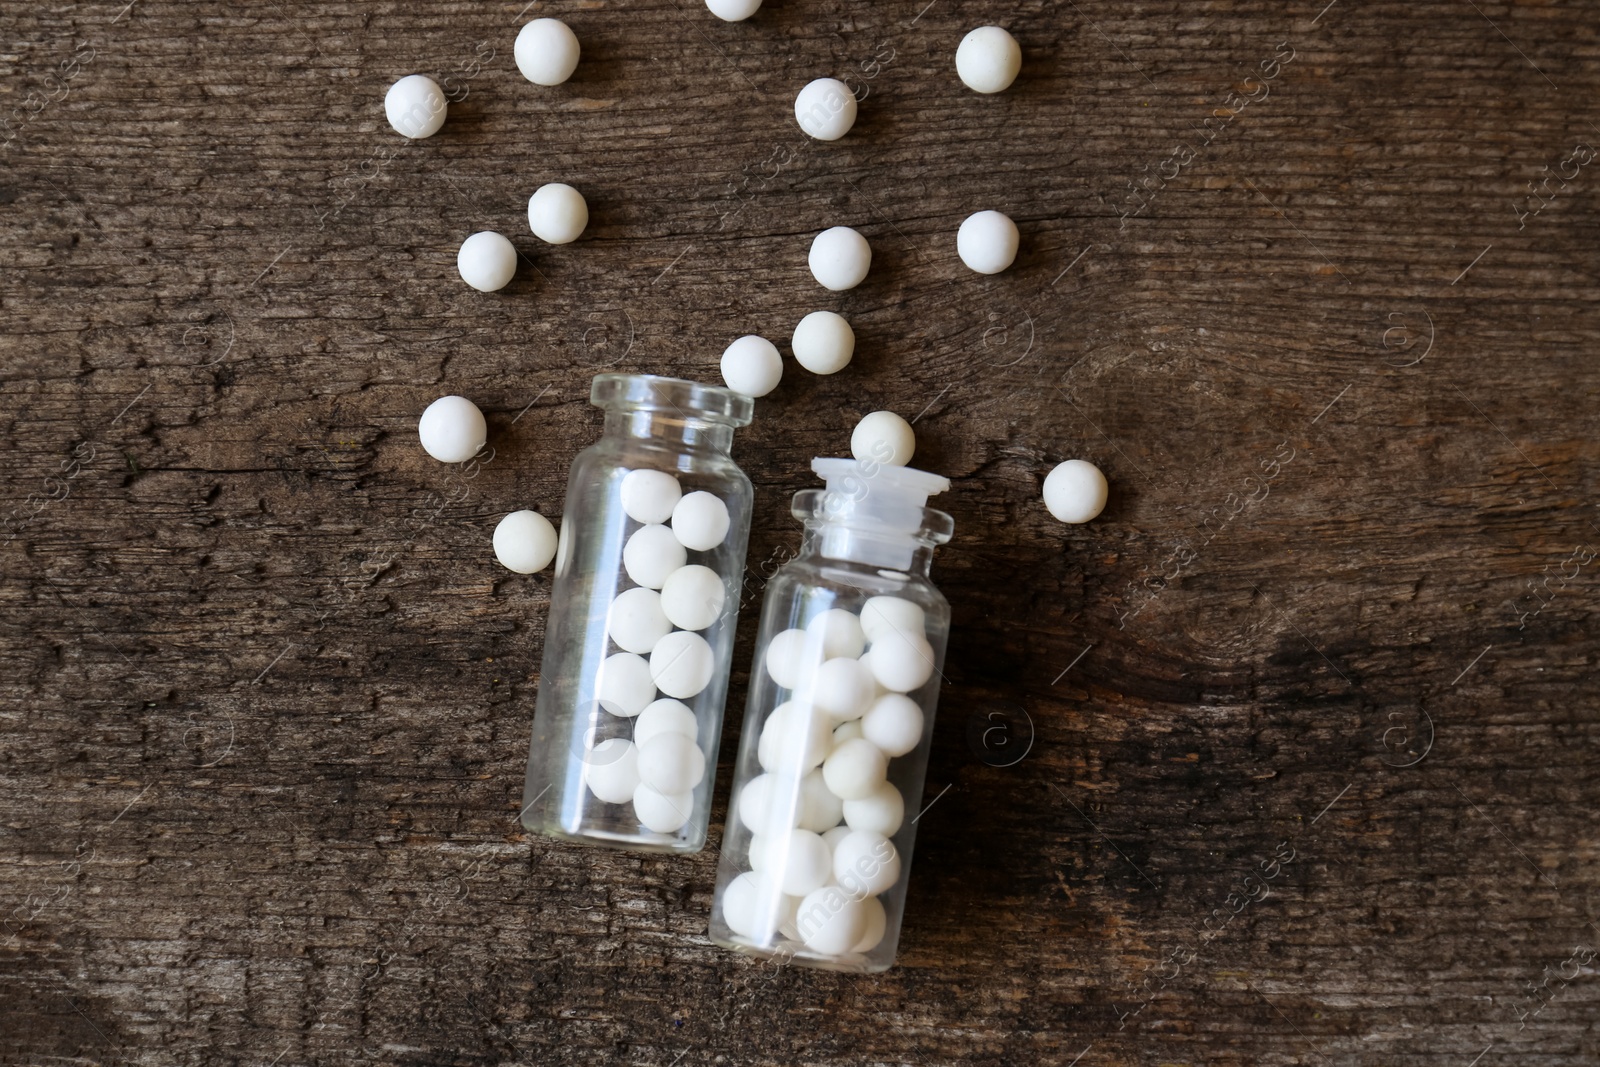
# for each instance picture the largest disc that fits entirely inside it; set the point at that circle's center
(662, 660)
(823, 812)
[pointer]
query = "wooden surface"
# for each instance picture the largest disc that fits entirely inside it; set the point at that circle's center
(266, 696)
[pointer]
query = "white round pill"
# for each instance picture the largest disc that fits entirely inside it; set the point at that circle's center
(865, 863)
(756, 808)
(801, 861)
(752, 365)
(840, 258)
(692, 597)
(525, 542)
(987, 242)
(901, 662)
(625, 686)
(882, 615)
(819, 809)
(649, 496)
(671, 763)
(843, 689)
(546, 51)
(839, 631)
(823, 342)
(894, 724)
(636, 622)
(877, 923)
(846, 731)
(882, 810)
(832, 837)
(988, 59)
(651, 555)
(452, 429)
(756, 852)
(557, 213)
(611, 770)
(486, 261)
(825, 109)
(794, 739)
(883, 437)
(665, 716)
(664, 813)
(733, 10)
(415, 106)
(855, 769)
(700, 521)
(830, 922)
(1075, 491)
(753, 906)
(791, 658)
(681, 664)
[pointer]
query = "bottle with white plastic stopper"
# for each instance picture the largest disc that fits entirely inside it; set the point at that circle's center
(816, 854)
(639, 639)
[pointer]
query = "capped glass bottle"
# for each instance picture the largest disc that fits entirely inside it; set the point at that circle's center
(639, 640)
(816, 854)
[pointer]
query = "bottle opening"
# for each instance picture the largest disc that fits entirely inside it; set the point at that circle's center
(671, 398)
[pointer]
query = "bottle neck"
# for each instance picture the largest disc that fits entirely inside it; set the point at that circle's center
(839, 542)
(670, 428)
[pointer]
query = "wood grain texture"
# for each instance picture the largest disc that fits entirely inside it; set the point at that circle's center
(265, 696)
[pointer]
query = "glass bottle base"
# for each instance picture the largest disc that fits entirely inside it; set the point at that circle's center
(613, 839)
(795, 952)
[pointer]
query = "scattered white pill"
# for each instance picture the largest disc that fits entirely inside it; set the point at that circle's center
(752, 365)
(987, 242)
(671, 763)
(866, 863)
(557, 213)
(692, 597)
(753, 906)
(883, 437)
(546, 51)
(525, 542)
(884, 615)
(988, 59)
(823, 342)
(830, 922)
(839, 631)
(649, 496)
(894, 724)
(901, 662)
(819, 809)
(825, 109)
(665, 716)
(847, 731)
(733, 10)
(801, 861)
(611, 770)
(415, 106)
(843, 689)
(681, 664)
(1075, 491)
(794, 739)
(700, 521)
(877, 921)
(840, 258)
(452, 429)
(486, 261)
(625, 686)
(651, 555)
(664, 813)
(855, 769)
(881, 811)
(636, 622)
(792, 657)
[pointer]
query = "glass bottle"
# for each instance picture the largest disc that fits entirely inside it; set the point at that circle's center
(639, 640)
(816, 854)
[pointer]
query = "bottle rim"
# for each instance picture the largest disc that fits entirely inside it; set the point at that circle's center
(690, 401)
(814, 508)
